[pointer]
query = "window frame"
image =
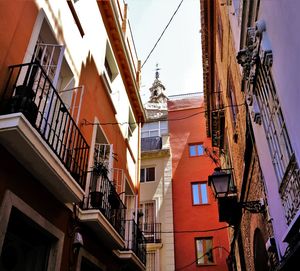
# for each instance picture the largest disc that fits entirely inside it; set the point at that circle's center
(11, 200)
(206, 238)
(220, 33)
(145, 174)
(111, 70)
(89, 257)
(199, 184)
(277, 135)
(197, 153)
(231, 97)
(132, 125)
(161, 131)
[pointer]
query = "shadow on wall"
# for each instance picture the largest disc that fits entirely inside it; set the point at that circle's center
(178, 146)
(96, 102)
(60, 34)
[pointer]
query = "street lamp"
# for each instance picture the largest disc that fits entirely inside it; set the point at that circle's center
(221, 183)
(225, 192)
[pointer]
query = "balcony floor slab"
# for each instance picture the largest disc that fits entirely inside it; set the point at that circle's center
(94, 219)
(21, 139)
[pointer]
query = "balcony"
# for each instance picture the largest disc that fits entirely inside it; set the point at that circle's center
(290, 190)
(135, 248)
(38, 130)
(104, 211)
(151, 143)
(218, 126)
(152, 232)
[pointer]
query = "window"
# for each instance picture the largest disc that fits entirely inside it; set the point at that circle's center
(220, 35)
(148, 210)
(232, 99)
(131, 124)
(204, 253)
(108, 69)
(25, 246)
(199, 191)
(273, 121)
(110, 64)
(152, 129)
(196, 149)
(147, 220)
(218, 101)
(148, 174)
(29, 241)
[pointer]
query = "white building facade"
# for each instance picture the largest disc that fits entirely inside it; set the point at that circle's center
(156, 183)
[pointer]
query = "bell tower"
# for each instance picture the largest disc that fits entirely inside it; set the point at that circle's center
(157, 90)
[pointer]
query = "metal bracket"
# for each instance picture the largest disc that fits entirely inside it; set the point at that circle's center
(257, 206)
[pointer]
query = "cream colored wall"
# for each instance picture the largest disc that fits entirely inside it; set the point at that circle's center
(161, 192)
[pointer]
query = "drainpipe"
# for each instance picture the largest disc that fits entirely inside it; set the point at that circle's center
(138, 171)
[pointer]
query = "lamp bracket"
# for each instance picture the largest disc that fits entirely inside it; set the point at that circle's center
(256, 206)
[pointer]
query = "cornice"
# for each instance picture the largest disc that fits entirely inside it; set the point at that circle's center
(120, 49)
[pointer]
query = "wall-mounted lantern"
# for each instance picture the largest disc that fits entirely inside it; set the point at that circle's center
(225, 192)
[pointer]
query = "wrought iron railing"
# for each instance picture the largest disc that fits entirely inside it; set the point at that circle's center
(152, 232)
(29, 90)
(135, 240)
(104, 197)
(151, 143)
(217, 128)
(290, 190)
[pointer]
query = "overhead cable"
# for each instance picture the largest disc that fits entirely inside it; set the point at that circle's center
(188, 231)
(205, 254)
(162, 33)
(86, 122)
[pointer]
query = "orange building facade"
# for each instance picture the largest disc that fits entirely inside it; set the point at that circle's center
(201, 241)
(70, 120)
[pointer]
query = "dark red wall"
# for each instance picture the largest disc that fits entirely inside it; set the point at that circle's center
(186, 170)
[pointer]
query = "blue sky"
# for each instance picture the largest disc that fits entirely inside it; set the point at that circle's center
(178, 53)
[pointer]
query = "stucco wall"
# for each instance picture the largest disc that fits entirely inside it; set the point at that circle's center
(185, 170)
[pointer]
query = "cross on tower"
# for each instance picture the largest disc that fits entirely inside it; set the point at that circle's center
(156, 72)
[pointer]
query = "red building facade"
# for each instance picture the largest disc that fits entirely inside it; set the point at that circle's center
(201, 241)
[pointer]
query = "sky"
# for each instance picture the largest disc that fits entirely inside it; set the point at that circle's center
(178, 54)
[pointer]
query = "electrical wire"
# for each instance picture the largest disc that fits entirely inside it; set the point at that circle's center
(206, 253)
(162, 33)
(188, 231)
(86, 122)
